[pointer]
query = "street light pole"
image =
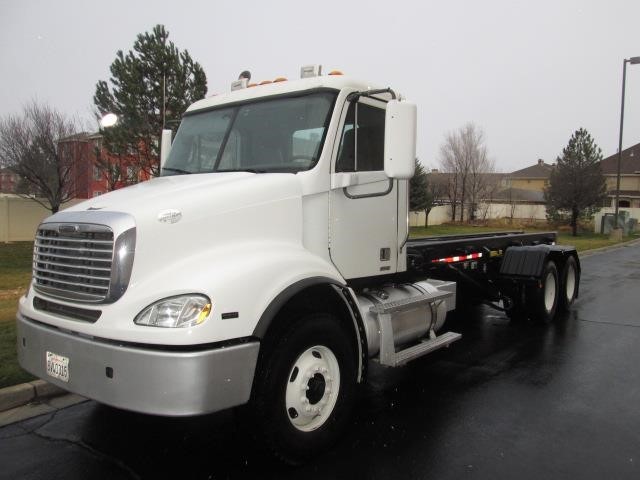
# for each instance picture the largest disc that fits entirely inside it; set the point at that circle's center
(632, 61)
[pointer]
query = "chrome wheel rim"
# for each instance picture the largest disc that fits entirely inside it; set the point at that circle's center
(570, 283)
(549, 291)
(312, 388)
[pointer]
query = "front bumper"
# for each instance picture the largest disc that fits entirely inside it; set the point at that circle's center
(142, 379)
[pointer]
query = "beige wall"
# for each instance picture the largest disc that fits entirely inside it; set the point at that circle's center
(437, 216)
(631, 182)
(442, 214)
(529, 184)
(19, 218)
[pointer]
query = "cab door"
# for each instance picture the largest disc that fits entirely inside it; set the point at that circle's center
(363, 233)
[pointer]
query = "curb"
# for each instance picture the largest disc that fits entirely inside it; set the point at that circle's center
(593, 251)
(19, 395)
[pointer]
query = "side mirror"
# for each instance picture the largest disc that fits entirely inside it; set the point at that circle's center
(165, 147)
(400, 140)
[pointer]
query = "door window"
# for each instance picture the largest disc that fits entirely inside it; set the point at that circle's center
(362, 143)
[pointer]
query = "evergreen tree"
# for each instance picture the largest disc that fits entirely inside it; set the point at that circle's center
(576, 185)
(151, 87)
(420, 196)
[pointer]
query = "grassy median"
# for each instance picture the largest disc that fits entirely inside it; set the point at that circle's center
(15, 274)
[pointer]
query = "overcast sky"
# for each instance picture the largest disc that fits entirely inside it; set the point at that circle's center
(528, 73)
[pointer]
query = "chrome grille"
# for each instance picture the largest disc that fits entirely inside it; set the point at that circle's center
(73, 262)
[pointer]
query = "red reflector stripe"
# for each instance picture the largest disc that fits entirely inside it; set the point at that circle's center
(459, 258)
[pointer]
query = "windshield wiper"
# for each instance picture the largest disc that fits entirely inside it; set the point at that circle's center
(177, 170)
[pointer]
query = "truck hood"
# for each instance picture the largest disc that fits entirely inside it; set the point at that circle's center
(180, 217)
(195, 195)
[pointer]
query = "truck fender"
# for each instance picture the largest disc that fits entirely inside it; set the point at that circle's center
(346, 299)
(528, 262)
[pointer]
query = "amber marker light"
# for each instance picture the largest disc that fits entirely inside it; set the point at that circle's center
(206, 310)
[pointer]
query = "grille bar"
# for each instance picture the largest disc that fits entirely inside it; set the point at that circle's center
(66, 294)
(71, 257)
(73, 249)
(67, 239)
(75, 284)
(77, 267)
(46, 274)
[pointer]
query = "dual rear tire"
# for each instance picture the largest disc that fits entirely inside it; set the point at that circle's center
(555, 292)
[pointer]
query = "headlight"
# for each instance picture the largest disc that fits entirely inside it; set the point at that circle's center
(176, 312)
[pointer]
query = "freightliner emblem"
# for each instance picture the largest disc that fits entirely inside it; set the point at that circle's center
(68, 228)
(169, 216)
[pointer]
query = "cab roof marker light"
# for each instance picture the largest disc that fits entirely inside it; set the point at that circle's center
(310, 71)
(239, 84)
(335, 72)
(280, 79)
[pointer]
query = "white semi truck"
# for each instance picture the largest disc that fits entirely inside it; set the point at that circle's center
(268, 265)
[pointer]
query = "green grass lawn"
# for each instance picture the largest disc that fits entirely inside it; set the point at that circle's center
(15, 273)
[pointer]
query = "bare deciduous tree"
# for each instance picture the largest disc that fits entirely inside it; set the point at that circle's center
(32, 145)
(448, 160)
(464, 155)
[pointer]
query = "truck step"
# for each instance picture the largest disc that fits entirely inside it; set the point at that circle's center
(422, 348)
(409, 303)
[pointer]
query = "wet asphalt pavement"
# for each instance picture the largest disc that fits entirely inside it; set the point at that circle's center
(505, 402)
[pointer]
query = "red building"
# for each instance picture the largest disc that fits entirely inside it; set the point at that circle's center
(96, 171)
(8, 181)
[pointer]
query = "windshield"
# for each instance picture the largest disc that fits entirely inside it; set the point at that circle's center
(279, 135)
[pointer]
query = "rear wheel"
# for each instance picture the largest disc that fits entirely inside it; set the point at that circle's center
(305, 388)
(542, 299)
(569, 285)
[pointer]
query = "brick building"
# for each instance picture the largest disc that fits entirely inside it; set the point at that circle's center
(8, 181)
(97, 171)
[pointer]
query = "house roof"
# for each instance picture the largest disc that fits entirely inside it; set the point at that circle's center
(80, 136)
(629, 164)
(539, 170)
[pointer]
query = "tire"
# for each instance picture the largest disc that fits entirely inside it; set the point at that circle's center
(543, 298)
(305, 388)
(569, 283)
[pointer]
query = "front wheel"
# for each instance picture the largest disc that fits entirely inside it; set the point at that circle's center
(305, 387)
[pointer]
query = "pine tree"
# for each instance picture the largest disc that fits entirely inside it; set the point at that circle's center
(576, 184)
(420, 196)
(151, 87)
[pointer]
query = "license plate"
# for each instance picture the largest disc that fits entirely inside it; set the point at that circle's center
(58, 366)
